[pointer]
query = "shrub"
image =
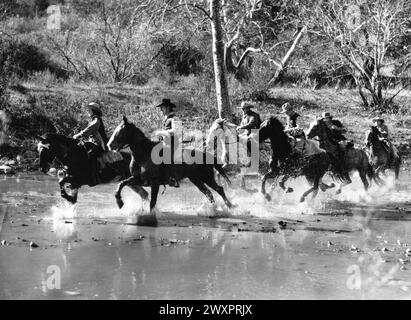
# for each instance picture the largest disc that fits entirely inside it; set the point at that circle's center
(27, 58)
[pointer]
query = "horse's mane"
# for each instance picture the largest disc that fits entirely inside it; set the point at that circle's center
(140, 133)
(281, 140)
(273, 122)
(61, 139)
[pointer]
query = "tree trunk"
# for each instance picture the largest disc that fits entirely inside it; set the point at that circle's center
(223, 101)
(286, 59)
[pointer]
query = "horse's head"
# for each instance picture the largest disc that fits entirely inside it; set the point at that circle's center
(317, 129)
(123, 135)
(274, 130)
(46, 153)
(270, 128)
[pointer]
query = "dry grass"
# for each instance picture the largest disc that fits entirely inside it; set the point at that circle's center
(61, 102)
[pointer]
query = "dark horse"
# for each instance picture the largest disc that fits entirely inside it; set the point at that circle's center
(147, 172)
(353, 159)
(74, 157)
(381, 157)
(313, 171)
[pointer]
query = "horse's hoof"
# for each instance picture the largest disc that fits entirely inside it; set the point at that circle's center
(289, 190)
(332, 185)
(120, 202)
(302, 199)
(267, 197)
(338, 192)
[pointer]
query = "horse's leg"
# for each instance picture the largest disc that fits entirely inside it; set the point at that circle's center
(324, 187)
(63, 192)
(140, 191)
(264, 179)
(397, 170)
(282, 185)
(200, 185)
(150, 220)
(242, 182)
(346, 182)
(130, 181)
(154, 194)
(220, 190)
(363, 176)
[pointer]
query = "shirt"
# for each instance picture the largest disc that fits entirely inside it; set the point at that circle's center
(171, 124)
(92, 134)
(336, 134)
(292, 120)
(250, 121)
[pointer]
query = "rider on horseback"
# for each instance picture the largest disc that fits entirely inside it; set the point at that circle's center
(250, 119)
(336, 127)
(292, 116)
(95, 134)
(337, 131)
(170, 127)
(303, 149)
(384, 136)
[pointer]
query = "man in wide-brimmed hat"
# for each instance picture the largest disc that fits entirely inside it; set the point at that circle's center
(171, 125)
(292, 116)
(382, 128)
(384, 136)
(336, 127)
(95, 133)
(250, 119)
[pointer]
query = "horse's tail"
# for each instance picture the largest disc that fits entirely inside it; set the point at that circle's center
(222, 172)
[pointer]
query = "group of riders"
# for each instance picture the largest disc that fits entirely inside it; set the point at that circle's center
(96, 137)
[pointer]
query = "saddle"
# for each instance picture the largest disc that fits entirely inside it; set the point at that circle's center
(103, 158)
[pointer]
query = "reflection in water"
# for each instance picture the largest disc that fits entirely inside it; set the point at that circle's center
(101, 256)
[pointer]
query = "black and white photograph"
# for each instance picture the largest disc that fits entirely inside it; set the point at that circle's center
(213, 151)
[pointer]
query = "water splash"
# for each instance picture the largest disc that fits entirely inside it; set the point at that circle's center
(63, 223)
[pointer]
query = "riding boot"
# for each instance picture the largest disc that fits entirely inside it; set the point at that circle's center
(173, 181)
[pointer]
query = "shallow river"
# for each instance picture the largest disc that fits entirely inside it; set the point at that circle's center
(350, 246)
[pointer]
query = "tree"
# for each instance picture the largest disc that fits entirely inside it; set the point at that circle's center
(365, 35)
(111, 44)
(272, 28)
(223, 102)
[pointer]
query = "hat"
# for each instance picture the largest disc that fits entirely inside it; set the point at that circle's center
(166, 103)
(378, 119)
(286, 107)
(245, 105)
(326, 115)
(94, 108)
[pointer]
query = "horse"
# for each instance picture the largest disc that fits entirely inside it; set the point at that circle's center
(146, 171)
(76, 161)
(231, 148)
(314, 169)
(354, 159)
(380, 155)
